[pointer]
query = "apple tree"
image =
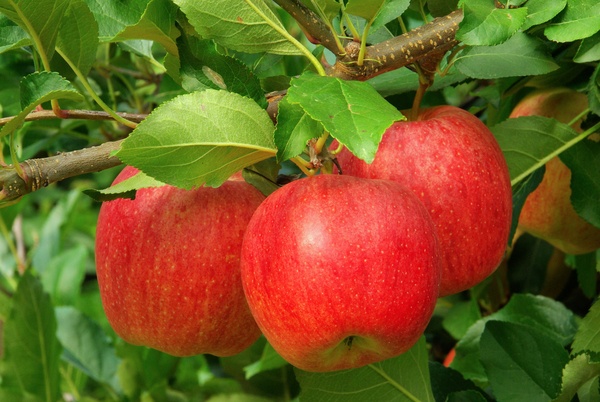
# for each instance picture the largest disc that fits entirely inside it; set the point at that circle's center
(193, 92)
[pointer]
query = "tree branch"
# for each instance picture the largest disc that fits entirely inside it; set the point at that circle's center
(76, 114)
(43, 171)
(427, 41)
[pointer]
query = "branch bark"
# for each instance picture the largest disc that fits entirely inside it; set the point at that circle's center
(427, 41)
(43, 171)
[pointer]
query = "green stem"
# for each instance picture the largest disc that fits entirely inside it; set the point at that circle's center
(303, 165)
(318, 66)
(363, 44)
(394, 383)
(558, 151)
(579, 117)
(34, 36)
(93, 94)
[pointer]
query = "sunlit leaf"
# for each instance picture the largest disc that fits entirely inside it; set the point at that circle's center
(486, 25)
(576, 373)
(125, 188)
(200, 138)
(352, 111)
(587, 337)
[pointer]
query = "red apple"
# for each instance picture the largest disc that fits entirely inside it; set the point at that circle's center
(453, 163)
(340, 271)
(168, 267)
(548, 212)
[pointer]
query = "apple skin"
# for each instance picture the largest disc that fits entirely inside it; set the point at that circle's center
(168, 267)
(548, 212)
(453, 163)
(340, 271)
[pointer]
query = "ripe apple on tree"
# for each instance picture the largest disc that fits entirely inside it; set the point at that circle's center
(548, 212)
(453, 163)
(168, 267)
(341, 271)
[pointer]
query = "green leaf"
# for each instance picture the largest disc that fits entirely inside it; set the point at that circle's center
(200, 138)
(86, 345)
(522, 363)
(529, 142)
(461, 317)
(263, 175)
(520, 192)
(294, 129)
(36, 89)
(520, 55)
(589, 50)
(537, 312)
(528, 264)
(202, 67)
(540, 11)
(152, 20)
(125, 188)
(584, 163)
(579, 20)
(352, 111)
(40, 19)
(157, 24)
(12, 36)
(390, 10)
(78, 36)
(366, 9)
(590, 391)
(594, 91)
(576, 373)
(446, 382)
(586, 266)
(63, 276)
(269, 360)
(486, 25)
(237, 25)
(587, 337)
(30, 366)
(403, 378)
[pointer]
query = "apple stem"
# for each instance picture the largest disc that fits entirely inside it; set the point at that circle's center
(303, 165)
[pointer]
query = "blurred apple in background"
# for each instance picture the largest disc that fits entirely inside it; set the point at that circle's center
(341, 271)
(453, 163)
(168, 267)
(548, 212)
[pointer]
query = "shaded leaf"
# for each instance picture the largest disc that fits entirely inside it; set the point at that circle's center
(589, 50)
(294, 129)
(63, 276)
(352, 111)
(78, 36)
(203, 67)
(269, 360)
(528, 264)
(522, 363)
(519, 56)
(237, 25)
(36, 89)
(529, 142)
(12, 36)
(40, 19)
(200, 138)
(29, 368)
(86, 346)
(584, 163)
(396, 379)
(520, 192)
(538, 312)
(446, 382)
(263, 175)
(125, 188)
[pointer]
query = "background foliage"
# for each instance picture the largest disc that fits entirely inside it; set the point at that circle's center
(200, 71)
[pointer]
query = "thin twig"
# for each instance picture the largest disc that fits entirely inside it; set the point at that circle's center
(76, 114)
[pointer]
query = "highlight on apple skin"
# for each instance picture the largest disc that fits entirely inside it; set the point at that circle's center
(168, 267)
(340, 271)
(453, 163)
